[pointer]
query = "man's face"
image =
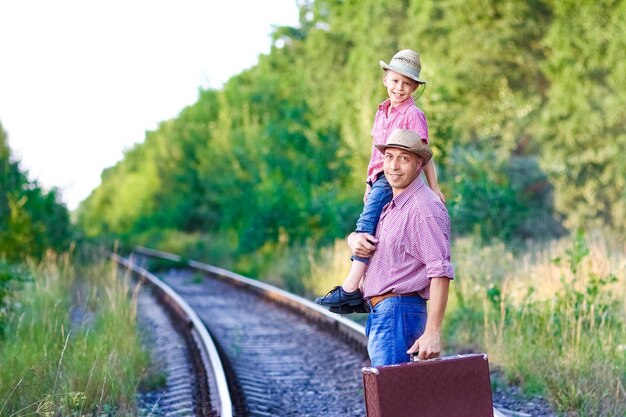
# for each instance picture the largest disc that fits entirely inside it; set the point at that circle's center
(401, 168)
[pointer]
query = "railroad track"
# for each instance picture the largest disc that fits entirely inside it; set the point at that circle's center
(258, 350)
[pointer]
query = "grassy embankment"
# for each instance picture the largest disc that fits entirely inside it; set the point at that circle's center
(71, 345)
(552, 318)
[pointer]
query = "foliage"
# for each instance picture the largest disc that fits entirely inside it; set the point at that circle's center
(582, 126)
(31, 219)
(259, 171)
(74, 346)
(553, 319)
(278, 156)
(503, 200)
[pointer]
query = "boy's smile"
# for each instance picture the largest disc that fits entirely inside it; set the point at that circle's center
(399, 87)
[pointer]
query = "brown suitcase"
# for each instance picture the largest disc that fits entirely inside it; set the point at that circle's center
(454, 386)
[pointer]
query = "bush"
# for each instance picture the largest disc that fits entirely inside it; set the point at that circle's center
(500, 199)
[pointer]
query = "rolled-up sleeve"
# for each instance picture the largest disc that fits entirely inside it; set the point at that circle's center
(434, 246)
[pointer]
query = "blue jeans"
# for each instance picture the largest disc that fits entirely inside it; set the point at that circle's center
(379, 196)
(392, 327)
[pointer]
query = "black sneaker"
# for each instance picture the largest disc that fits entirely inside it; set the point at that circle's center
(338, 297)
(348, 309)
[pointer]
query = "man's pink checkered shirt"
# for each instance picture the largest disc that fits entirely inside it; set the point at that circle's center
(413, 244)
(406, 116)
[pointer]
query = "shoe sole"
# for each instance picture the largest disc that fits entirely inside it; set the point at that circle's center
(353, 303)
(348, 309)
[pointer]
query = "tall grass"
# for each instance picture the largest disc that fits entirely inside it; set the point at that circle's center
(552, 317)
(329, 267)
(71, 345)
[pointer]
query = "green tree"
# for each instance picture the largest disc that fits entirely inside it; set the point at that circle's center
(280, 152)
(583, 129)
(31, 219)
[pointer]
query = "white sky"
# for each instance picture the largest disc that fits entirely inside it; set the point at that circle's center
(81, 80)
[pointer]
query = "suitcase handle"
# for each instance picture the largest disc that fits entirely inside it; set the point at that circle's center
(413, 358)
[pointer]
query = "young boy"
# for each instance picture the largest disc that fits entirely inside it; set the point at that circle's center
(401, 78)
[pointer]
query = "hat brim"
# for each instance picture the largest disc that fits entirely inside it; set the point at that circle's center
(425, 153)
(399, 70)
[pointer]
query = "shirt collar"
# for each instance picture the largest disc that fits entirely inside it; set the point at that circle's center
(402, 108)
(409, 191)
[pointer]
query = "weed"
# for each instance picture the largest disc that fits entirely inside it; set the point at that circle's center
(53, 364)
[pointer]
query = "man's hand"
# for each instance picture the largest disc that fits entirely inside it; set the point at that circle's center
(428, 345)
(362, 244)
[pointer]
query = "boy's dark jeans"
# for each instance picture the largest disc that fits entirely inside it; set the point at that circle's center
(379, 196)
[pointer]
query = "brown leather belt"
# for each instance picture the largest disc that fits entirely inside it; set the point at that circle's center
(373, 301)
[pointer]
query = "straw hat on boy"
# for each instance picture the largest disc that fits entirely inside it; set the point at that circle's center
(407, 63)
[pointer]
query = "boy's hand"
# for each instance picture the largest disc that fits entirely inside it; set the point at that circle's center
(440, 195)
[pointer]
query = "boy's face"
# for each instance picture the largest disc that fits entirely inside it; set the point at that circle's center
(399, 87)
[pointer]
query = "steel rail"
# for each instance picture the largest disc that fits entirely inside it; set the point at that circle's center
(354, 331)
(210, 357)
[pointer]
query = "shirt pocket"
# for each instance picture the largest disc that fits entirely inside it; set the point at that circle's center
(397, 253)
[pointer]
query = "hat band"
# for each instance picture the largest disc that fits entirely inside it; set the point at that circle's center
(402, 66)
(407, 60)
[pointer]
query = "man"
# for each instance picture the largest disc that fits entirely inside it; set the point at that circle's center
(410, 259)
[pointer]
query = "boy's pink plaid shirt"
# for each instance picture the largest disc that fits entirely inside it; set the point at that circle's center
(406, 116)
